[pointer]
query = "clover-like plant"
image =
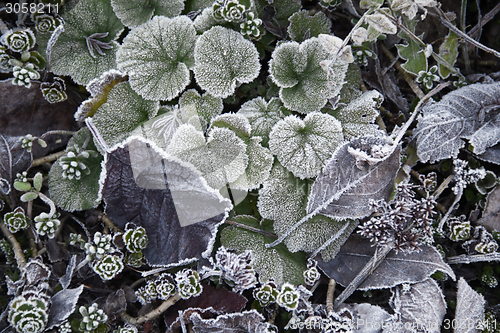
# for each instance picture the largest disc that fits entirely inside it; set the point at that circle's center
(188, 283)
(28, 314)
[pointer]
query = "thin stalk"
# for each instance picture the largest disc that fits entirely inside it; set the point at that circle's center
(109, 223)
(329, 295)
(18, 252)
(57, 132)
(467, 259)
(48, 158)
(150, 315)
(244, 226)
(448, 213)
(465, 52)
(474, 32)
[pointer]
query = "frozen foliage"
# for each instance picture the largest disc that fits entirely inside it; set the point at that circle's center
(469, 113)
(245, 321)
(54, 92)
(188, 283)
(260, 162)
(288, 297)
(158, 55)
(251, 26)
(236, 122)
(198, 110)
(221, 158)
(413, 54)
(335, 46)
(16, 220)
(19, 40)
(63, 304)
(136, 12)
(428, 78)
(135, 239)
(464, 175)
(46, 225)
(263, 116)
(108, 266)
(224, 59)
(28, 314)
(73, 163)
(92, 317)
(303, 26)
(449, 51)
(266, 294)
(470, 308)
(5, 65)
(167, 123)
(24, 75)
(304, 146)
(304, 85)
(44, 22)
(411, 7)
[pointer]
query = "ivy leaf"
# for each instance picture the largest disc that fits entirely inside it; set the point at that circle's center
(358, 116)
(134, 13)
(14, 159)
(470, 308)
(302, 24)
(412, 53)
(122, 112)
(246, 321)
(73, 194)
(277, 263)
(224, 59)
(221, 158)
(62, 305)
(158, 55)
(448, 50)
(263, 116)
(304, 85)
(359, 171)
(304, 147)
(397, 268)
(198, 110)
(471, 113)
(71, 54)
(180, 215)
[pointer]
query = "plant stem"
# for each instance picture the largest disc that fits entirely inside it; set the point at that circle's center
(48, 158)
(244, 226)
(150, 315)
(467, 259)
(48, 202)
(443, 220)
(329, 295)
(57, 132)
(109, 223)
(18, 252)
(486, 18)
(465, 52)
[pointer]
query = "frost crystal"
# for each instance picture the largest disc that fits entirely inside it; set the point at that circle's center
(230, 10)
(311, 275)
(135, 239)
(465, 176)
(459, 228)
(45, 23)
(236, 269)
(100, 247)
(410, 7)
(482, 242)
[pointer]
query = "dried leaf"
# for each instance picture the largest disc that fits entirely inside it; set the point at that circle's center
(63, 304)
(246, 321)
(470, 308)
(116, 302)
(14, 159)
(395, 269)
(368, 318)
(491, 214)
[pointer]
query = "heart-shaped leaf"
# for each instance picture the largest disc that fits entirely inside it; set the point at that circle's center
(302, 25)
(158, 55)
(199, 110)
(165, 196)
(136, 12)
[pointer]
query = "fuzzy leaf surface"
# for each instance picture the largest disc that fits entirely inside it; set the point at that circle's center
(14, 159)
(305, 146)
(347, 183)
(158, 55)
(73, 194)
(470, 308)
(275, 263)
(260, 162)
(246, 321)
(198, 110)
(235, 122)
(395, 269)
(471, 112)
(413, 54)
(224, 59)
(136, 12)
(162, 194)
(62, 305)
(302, 24)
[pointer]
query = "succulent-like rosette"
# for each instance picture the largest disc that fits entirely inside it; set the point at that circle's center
(45, 23)
(73, 163)
(266, 294)
(19, 40)
(460, 229)
(46, 224)
(135, 239)
(311, 275)
(16, 220)
(108, 267)
(288, 297)
(188, 283)
(126, 329)
(28, 315)
(24, 75)
(54, 92)
(92, 317)
(165, 286)
(134, 259)
(251, 26)
(230, 10)
(101, 246)
(5, 65)
(65, 327)
(428, 78)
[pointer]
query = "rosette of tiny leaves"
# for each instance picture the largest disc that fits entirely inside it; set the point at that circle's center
(135, 239)
(304, 85)
(266, 294)
(7, 250)
(488, 278)
(45, 23)
(230, 10)
(46, 225)
(73, 162)
(77, 238)
(311, 275)
(101, 246)
(127, 329)
(165, 286)
(108, 266)
(134, 259)
(188, 283)
(484, 241)
(148, 293)
(27, 142)
(19, 40)
(428, 78)
(158, 55)
(224, 59)
(135, 12)
(459, 228)
(251, 26)
(288, 297)
(65, 327)
(54, 92)
(92, 317)
(28, 315)
(5, 65)
(24, 75)
(236, 269)
(16, 220)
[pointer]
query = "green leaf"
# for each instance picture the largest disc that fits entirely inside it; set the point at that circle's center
(304, 85)
(37, 181)
(136, 12)
(302, 24)
(194, 5)
(413, 53)
(381, 23)
(71, 54)
(22, 186)
(72, 194)
(449, 52)
(158, 55)
(277, 263)
(123, 111)
(29, 196)
(224, 59)
(199, 110)
(303, 147)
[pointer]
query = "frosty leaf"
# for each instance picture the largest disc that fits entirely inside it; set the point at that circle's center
(116, 302)
(199, 110)
(236, 122)
(195, 5)
(165, 196)
(14, 159)
(470, 308)
(304, 147)
(282, 9)
(449, 51)
(123, 111)
(167, 123)
(71, 54)
(134, 13)
(302, 24)
(413, 53)
(260, 162)
(263, 116)
(423, 306)
(471, 112)
(368, 318)
(65, 280)
(397, 268)
(304, 85)
(157, 56)
(246, 321)
(491, 214)
(276, 263)
(381, 23)
(358, 116)
(221, 158)
(359, 171)
(205, 20)
(224, 59)
(74, 194)
(283, 200)
(62, 305)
